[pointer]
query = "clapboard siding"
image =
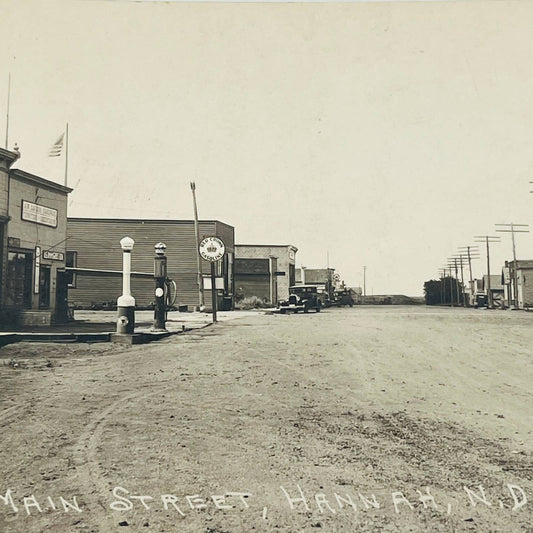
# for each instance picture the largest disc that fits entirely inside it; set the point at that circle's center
(97, 243)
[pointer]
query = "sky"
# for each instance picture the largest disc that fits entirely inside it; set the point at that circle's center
(380, 134)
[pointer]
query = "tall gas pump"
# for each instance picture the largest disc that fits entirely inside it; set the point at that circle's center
(160, 275)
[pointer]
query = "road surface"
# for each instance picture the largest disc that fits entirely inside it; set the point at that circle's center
(364, 419)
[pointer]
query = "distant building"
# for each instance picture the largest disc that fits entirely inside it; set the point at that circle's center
(95, 254)
(480, 290)
(33, 231)
(524, 277)
(324, 278)
(265, 271)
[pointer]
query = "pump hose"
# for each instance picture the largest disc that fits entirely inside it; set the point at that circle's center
(168, 284)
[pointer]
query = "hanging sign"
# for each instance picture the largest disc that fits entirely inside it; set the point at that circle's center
(54, 256)
(212, 249)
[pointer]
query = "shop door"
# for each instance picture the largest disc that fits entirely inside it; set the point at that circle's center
(19, 280)
(44, 287)
(62, 296)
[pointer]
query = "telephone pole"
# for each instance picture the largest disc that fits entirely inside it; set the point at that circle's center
(198, 258)
(450, 277)
(488, 239)
(511, 229)
(453, 264)
(471, 253)
(364, 281)
(461, 258)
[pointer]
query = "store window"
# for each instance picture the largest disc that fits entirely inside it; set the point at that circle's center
(19, 280)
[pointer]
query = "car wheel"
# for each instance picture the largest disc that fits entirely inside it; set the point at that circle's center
(318, 307)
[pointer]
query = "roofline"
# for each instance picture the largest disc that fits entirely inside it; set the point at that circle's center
(269, 246)
(9, 155)
(32, 178)
(149, 220)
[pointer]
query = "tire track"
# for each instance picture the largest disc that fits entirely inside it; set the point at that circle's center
(85, 455)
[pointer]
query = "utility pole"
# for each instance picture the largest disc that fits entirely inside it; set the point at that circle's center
(471, 253)
(512, 231)
(461, 263)
(7, 113)
(364, 281)
(488, 239)
(198, 258)
(454, 265)
(450, 277)
(442, 275)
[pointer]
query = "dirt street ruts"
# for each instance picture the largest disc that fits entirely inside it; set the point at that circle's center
(370, 419)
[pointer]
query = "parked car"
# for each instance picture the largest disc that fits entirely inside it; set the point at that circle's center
(302, 298)
(343, 297)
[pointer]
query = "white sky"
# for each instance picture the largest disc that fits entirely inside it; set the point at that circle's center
(388, 133)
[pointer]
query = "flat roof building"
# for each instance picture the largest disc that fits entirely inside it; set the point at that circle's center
(94, 250)
(265, 271)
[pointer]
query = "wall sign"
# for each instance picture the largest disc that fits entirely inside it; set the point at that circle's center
(39, 214)
(54, 256)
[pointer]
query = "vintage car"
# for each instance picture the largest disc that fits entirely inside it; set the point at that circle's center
(301, 298)
(343, 297)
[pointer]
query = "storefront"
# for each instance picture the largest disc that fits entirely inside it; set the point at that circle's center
(34, 230)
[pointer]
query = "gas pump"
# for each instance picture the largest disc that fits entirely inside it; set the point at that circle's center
(160, 275)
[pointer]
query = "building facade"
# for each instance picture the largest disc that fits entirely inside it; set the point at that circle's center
(33, 230)
(265, 271)
(95, 256)
(524, 282)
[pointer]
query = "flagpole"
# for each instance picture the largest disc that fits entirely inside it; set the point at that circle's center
(66, 154)
(7, 116)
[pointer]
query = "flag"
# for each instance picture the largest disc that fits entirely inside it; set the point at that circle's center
(57, 148)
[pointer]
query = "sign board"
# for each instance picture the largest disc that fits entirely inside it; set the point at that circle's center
(54, 256)
(506, 275)
(219, 283)
(39, 214)
(291, 255)
(212, 249)
(13, 242)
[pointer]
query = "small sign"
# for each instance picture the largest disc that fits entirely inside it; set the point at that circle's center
(212, 249)
(219, 283)
(291, 255)
(13, 242)
(39, 214)
(54, 256)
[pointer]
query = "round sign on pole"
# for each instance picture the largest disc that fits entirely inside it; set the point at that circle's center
(212, 249)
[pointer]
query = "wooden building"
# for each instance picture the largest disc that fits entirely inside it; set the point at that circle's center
(94, 251)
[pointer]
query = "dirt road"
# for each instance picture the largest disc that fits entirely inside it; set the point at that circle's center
(390, 419)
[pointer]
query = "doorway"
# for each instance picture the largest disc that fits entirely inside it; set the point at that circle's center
(44, 287)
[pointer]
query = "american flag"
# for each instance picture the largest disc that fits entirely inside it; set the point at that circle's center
(56, 149)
